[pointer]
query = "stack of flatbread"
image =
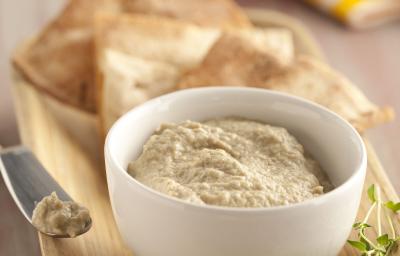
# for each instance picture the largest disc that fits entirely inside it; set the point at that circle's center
(140, 57)
(233, 61)
(60, 59)
(108, 56)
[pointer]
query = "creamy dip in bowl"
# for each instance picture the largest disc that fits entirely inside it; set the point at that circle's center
(317, 226)
(231, 162)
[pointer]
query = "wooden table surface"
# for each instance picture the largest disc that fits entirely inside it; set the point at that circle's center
(371, 59)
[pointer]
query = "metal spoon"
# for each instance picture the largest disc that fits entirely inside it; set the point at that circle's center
(28, 182)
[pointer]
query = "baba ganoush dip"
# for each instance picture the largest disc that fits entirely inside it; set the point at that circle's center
(231, 162)
(51, 215)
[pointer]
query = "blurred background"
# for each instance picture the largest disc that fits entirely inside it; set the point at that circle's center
(370, 58)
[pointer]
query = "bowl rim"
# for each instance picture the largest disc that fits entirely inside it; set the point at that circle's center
(360, 169)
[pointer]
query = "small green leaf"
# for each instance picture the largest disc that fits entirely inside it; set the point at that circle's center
(365, 225)
(395, 207)
(371, 193)
(358, 245)
(383, 240)
(362, 240)
(361, 225)
(384, 246)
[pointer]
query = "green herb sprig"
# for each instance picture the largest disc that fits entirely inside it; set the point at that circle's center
(385, 244)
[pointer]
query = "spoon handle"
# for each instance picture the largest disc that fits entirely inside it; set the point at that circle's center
(26, 179)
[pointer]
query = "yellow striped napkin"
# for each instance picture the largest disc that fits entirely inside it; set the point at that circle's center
(360, 13)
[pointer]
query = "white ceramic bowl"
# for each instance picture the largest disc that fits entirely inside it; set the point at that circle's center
(153, 224)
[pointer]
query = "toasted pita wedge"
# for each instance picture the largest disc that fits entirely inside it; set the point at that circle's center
(129, 81)
(235, 62)
(219, 13)
(141, 56)
(277, 42)
(155, 52)
(181, 44)
(314, 80)
(154, 38)
(305, 77)
(60, 59)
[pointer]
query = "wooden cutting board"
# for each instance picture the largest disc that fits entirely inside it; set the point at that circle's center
(81, 172)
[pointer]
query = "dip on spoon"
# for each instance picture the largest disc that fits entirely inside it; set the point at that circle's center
(39, 197)
(53, 216)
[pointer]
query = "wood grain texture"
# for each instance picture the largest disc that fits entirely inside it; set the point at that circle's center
(375, 175)
(82, 175)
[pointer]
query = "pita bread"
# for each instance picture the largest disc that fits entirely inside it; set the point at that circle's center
(275, 41)
(235, 62)
(129, 81)
(141, 56)
(305, 77)
(155, 51)
(60, 59)
(176, 42)
(303, 39)
(154, 38)
(214, 13)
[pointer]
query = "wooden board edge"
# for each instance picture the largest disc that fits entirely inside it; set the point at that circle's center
(373, 160)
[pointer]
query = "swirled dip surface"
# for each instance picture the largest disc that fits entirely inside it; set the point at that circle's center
(229, 162)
